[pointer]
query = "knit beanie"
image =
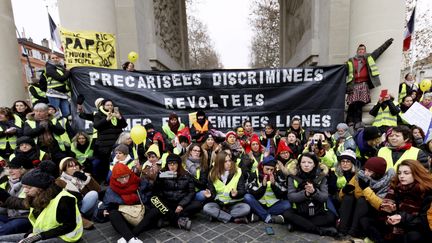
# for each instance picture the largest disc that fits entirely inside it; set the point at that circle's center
(342, 126)
(61, 164)
(269, 161)
(283, 146)
(200, 113)
(37, 178)
(98, 102)
(349, 155)
(122, 149)
(376, 164)
(255, 138)
(371, 133)
(183, 139)
(174, 158)
(229, 134)
(20, 162)
(25, 139)
(153, 149)
(49, 167)
(120, 169)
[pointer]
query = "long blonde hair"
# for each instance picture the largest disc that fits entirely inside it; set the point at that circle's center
(218, 169)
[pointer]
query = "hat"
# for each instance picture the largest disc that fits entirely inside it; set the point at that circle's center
(230, 133)
(52, 106)
(20, 162)
(25, 139)
(183, 139)
(122, 149)
(37, 178)
(173, 158)
(349, 155)
(120, 169)
(342, 126)
(370, 133)
(200, 113)
(49, 167)
(61, 164)
(376, 164)
(98, 102)
(153, 149)
(283, 146)
(269, 161)
(148, 126)
(207, 136)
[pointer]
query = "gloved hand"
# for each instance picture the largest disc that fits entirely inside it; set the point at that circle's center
(362, 183)
(390, 40)
(80, 175)
(348, 189)
(3, 195)
(32, 238)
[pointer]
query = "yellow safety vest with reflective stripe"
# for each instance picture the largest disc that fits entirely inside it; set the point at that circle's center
(40, 92)
(197, 176)
(223, 191)
(403, 91)
(21, 193)
(169, 133)
(386, 153)
(7, 139)
(18, 121)
(65, 136)
(129, 164)
(41, 155)
(47, 219)
(163, 159)
(60, 142)
(385, 118)
(80, 156)
(52, 83)
(269, 197)
(371, 63)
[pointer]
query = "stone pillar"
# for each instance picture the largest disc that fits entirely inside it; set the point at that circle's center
(10, 66)
(95, 15)
(372, 23)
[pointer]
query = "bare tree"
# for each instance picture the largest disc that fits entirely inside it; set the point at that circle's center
(202, 54)
(264, 50)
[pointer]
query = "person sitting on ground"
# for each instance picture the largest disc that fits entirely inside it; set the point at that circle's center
(418, 136)
(121, 156)
(208, 147)
(226, 191)
(9, 132)
(294, 144)
(284, 156)
(343, 140)
(427, 101)
(20, 109)
(308, 194)
(197, 166)
(367, 139)
(270, 138)
(232, 142)
(150, 169)
(267, 194)
(82, 147)
(295, 126)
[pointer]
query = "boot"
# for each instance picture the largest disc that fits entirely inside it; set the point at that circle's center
(87, 224)
(184, 223)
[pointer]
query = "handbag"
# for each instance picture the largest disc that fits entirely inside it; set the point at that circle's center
(133, 213)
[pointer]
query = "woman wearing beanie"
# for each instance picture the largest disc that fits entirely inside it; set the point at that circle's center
(150, 169)
(136, 153)
(249, 162)
(308, 194)
(121, 156)
(400, 147)
(198, 168)
(12, 220)
(284, 156)
(369, 187)
(109, 124)
(267, 194)
(82, 186)
(54, 213)
(405, 207)
(175, 189)
(232, 142)
(26, 147)
(367, 139)
(343, 140)
(226, 191)
(126, 188)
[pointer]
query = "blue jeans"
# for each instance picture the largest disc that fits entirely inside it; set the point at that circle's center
(88, 205)
(61, 104)
(14, 226)
(278, 208)
(199, 196)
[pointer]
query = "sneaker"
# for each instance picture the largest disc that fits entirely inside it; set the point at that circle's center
(254, 218)
(277, 219)
(184, 223)
(241, 220)
(122, 240)
(162, 223)
(135, 240)
(327, 231)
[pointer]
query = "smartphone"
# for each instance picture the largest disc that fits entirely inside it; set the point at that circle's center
(269, 230)
(384, 93)
(116, 109)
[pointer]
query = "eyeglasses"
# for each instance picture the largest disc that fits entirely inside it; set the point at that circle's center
(345, 161)
(196, 150)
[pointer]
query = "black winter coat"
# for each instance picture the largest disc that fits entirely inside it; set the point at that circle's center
(180, 190)
(107, 132)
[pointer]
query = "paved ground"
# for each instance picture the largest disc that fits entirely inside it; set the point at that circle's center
(205, 231)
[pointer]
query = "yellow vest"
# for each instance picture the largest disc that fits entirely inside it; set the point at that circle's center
(60, 142)
(7, 139)
(40, 92)
(52, 83)
(18, 121)
(80, 156)
(385, 118)
(269, 197)
(65, 136)
(41, 155)
(169, 133)
(386, 153)
(47, 219)
(223, 191)
(371, 63)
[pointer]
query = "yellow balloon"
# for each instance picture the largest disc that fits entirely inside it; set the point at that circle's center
(425, 85)
(138, 134)
(132, 56)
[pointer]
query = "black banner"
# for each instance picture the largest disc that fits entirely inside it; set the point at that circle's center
(228, 97)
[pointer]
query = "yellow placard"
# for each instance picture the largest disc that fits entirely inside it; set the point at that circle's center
(192, 118)
(87, 48)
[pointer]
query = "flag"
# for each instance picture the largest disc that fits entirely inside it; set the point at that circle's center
(55, 36)
(408, 32)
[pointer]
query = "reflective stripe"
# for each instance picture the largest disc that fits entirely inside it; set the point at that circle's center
(52, 83)
(169, 133)
(60, 142)
(269, 197)
(223, 191)
(386, 153)
(40, 92)
(350, 76)
(7, 139)
(373, 67)
(18, 121)
(81, 157)
(385, 118)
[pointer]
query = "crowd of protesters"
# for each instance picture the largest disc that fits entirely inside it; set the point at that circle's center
(358, 181)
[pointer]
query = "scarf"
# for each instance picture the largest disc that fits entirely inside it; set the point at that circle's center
(403, 148)
(127, 191)
(113, 118)
(72, 183)
(410, 83)
(15, 186)
(404, 108)
(380, 186)
(82, 148)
